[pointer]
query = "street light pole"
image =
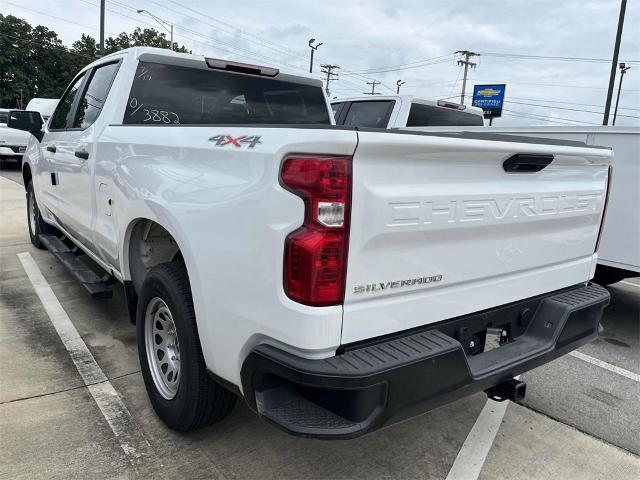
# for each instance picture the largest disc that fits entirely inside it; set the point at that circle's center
(623, 70)
(399, 83)
(313, 49)
(163, 23)
(102, 7)
(614, 63)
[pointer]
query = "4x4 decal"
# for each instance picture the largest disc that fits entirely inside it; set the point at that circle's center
(238, 142)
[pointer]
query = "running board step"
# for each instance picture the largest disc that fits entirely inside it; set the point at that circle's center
(94, 280)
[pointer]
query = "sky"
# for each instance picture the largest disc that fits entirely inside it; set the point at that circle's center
(409, 40)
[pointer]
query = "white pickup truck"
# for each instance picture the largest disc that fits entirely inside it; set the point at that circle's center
(400, 111)
(338, 279)
(13, 143)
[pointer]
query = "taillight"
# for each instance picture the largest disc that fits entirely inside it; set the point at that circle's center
(604, 209)
(315, 256)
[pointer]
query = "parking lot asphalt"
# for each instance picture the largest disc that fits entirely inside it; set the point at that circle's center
(578, 420)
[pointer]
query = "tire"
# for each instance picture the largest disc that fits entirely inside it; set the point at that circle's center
(37, 225)
(194, 400)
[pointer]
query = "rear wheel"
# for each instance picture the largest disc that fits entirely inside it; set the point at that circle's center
(181, 391)
(37, 225)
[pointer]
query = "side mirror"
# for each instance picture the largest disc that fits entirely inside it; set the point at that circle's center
(26, 120)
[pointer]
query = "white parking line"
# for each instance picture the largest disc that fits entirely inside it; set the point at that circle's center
(113, 409)
(637, 285)
(605, 365)
(474, 451)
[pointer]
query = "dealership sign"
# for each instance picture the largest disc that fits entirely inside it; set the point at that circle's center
(489, 98)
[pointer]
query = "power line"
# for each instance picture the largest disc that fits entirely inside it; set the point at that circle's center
(548, 84)
(402, 66)
(386, 70)
(546, 120)
(551, 57)
(555, 107)
(533, 115)
(568, 103)
(250, 37)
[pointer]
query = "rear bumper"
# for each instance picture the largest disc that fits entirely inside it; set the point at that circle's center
(367, 386)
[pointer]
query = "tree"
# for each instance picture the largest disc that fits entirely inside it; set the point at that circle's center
(149, 37)
(35, 63)
(15, 39)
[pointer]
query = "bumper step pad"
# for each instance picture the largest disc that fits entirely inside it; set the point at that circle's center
(95, 281)
(364, 388)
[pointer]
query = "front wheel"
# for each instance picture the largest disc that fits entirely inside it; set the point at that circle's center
(181, 391)
(37, 226)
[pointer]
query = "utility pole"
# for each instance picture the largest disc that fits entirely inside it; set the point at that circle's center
(467, 63)
(373, 84)
(102, 2)
(328, 70)
(614, 63)
(623, 70)
(313, 49)
(399, 83)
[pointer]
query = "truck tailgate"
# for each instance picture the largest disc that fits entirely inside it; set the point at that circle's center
(439, 229)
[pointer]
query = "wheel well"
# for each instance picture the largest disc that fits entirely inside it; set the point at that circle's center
(26, 175)
(149, 245)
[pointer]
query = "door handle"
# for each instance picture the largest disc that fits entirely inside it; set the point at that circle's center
(51, 148)
(83, 154)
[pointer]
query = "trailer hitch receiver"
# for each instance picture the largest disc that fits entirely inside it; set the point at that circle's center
(511, 389)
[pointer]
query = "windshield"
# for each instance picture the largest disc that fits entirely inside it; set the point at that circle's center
(4, 116)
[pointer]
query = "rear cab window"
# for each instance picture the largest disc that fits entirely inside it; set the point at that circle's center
(371, 114)
(170, 94)
(431, 116)
(4, 116)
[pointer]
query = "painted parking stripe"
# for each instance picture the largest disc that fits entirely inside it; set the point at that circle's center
(607, 366)
(131, 440)
(474, 451)
(637, 285)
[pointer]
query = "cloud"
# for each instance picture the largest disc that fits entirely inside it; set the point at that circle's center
(373, 34)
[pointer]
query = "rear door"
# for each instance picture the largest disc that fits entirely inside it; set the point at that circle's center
(439, 229)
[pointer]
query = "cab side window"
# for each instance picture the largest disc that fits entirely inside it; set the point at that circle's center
(63, 113)
(95, 95)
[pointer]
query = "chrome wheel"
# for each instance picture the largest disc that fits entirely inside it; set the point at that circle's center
(163, 349)
(32, 211)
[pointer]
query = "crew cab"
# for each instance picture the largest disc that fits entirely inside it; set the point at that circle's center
(336, 278)
(399, 111)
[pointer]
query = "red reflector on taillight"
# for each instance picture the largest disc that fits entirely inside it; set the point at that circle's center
(316, 254)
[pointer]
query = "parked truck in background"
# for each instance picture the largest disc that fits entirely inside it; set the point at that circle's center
(399, 111)
(13, 143)
(45, 106)
(337, 279)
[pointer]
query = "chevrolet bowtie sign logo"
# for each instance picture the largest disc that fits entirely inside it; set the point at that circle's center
(488, 92)
(489, 98)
